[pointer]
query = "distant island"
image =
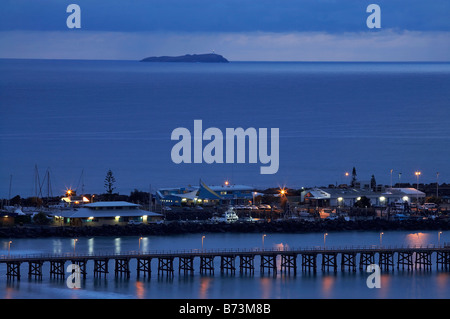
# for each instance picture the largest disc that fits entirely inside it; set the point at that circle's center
(207, 58)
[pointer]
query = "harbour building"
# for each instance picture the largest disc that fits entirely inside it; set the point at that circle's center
(206, 195)
(347, 197)
(107, 213)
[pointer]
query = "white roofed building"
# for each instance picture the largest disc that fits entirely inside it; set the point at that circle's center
(108, 213)
(334, 197)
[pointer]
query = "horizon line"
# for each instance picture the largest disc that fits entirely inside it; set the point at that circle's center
(238, 61)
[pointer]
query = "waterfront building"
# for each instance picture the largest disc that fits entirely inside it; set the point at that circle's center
(230, 194)
(177, 196)
(108, 213)
(340, 197)
(226, 194)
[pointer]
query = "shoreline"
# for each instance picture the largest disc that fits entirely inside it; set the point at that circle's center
(177, 228)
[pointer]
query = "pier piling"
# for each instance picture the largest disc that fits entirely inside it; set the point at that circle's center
(329, 260)
(144, 265)
(268, 262)
(13, 270)
(247, 264)
(57, 269)
(366, 259)
(82, 264)
(227, 264)
(423, 259)
(386, 260)
(348, 260)
(207, 264)
(165, 265)
(122, 267)
(288, 263)
(309, 262)
(100, 267)
(186, 264)
(405, 258)
(35, 269)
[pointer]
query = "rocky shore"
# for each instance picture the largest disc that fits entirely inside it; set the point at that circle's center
(175, 228)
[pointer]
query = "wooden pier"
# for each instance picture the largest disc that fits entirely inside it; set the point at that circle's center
(270, 261)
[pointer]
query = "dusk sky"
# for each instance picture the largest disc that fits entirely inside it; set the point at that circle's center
(241, 30)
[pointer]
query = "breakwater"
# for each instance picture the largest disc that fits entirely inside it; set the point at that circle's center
(173, 228)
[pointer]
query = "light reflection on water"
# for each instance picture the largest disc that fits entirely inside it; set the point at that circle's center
(395, 284)
(418, 239)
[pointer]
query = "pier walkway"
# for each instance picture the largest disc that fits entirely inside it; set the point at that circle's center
(348, 258)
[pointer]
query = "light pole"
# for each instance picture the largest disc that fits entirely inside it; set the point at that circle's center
(324, 239)
(263, 240)
(9, 247)
(283, 199)
(417, 173)
(381, 238)
(203, 237)
(140, 238)
(439, 238)
(74, 244)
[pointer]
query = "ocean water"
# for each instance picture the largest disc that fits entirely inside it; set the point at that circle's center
(90, 116)
(395, 284)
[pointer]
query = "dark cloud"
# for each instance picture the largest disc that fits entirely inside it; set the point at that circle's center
(225, 15)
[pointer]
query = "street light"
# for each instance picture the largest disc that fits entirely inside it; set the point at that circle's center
(263, 240)
(381, 238)
(346, 174)
(140, 238)
(324, 239)
(9, 247)
(417, 173)
(203, 237)
(439, 238)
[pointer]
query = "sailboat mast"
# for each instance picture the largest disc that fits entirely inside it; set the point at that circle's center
(10, 184)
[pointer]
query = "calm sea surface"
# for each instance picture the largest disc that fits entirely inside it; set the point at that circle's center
(394, 284)
(91, 116)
